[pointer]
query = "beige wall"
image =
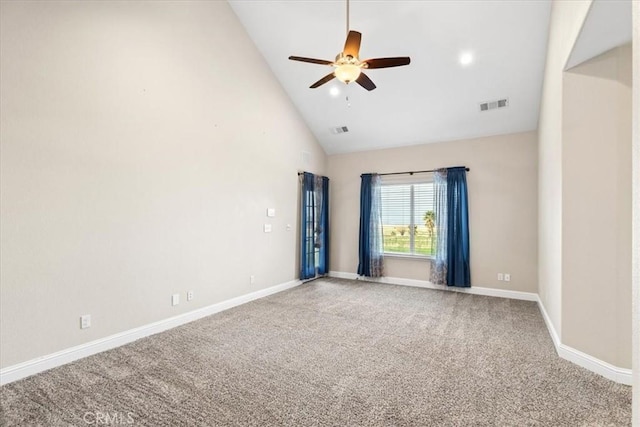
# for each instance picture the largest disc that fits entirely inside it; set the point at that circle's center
(502, 205)
(566, 20)
(596, 207)
(635, 255)
(585, 185)
(142, 143)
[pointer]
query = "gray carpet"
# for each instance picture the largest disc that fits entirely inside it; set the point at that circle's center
(333, 353)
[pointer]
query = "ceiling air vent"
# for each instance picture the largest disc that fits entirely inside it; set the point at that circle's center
(492, 105)
(339, 129)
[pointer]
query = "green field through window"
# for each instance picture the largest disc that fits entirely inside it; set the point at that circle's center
(396, 239)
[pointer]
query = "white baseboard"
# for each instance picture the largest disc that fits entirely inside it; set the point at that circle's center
(44, 363)
(607, 370)
(614, 373)
(343, 275)
(41, 364)
(475, 290)
(552, 330)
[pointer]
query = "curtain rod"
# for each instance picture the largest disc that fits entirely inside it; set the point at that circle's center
(412, 172)
(302, 173)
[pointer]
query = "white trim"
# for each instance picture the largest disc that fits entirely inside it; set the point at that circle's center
(40, 364)
(408, 256)
(44, 363)
(607, 370)
(614, 373)
(552, 330)
(343, 275)
(475, 290)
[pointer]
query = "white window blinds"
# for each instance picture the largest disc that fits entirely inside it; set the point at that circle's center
(407, 217)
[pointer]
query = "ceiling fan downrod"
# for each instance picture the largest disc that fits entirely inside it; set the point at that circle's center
(347, 17)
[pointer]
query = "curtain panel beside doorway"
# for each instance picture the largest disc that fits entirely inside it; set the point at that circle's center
(371, 252)
(314, 225)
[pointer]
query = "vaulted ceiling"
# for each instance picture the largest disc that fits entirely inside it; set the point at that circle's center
(436, 98)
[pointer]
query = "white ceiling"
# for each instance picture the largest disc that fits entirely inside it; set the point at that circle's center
(608, 25)
(434, 98)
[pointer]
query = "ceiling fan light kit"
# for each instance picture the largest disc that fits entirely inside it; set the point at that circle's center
(348, 67)
(347, 73)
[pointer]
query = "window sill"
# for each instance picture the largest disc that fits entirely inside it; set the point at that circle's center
(408, 256)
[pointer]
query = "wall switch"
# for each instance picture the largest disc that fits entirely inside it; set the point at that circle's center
(85, 321)
(252, 279)
(267, 228)
(500, 276)
(507, 277)
(189, 295)
(175, 299)
(271, 212)
(288, 227)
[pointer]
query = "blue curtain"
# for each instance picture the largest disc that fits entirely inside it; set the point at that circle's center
(439, 261)
(323, 229)
(314, 226)
(458, 271)
(370, 242)
(365, 215)
(307, 221)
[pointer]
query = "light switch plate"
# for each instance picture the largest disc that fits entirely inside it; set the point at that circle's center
(267, 228)
(85, 321)
(271, 212)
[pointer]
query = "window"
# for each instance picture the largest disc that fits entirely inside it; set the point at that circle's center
(408, 220)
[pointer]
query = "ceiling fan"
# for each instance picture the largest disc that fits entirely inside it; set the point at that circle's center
(348, 66)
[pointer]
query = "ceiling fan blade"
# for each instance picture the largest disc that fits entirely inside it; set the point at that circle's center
(352, 45)
(387, 62)
(365, 82)
(322, 81)
(311, 60)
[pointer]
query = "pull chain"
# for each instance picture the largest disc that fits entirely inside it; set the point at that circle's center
(347, 97)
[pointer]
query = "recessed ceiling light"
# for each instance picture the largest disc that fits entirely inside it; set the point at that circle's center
(466, 58)
(334, 91)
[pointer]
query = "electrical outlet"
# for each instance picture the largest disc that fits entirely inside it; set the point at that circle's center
(500, 276)
(189, 295)
(507, 277)
(85, 321)
(252, 279)
(175, 299)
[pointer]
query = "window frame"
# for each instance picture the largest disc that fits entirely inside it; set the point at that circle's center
(411, 180)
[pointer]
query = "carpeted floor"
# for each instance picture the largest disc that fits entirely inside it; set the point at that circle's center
(332, 353)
